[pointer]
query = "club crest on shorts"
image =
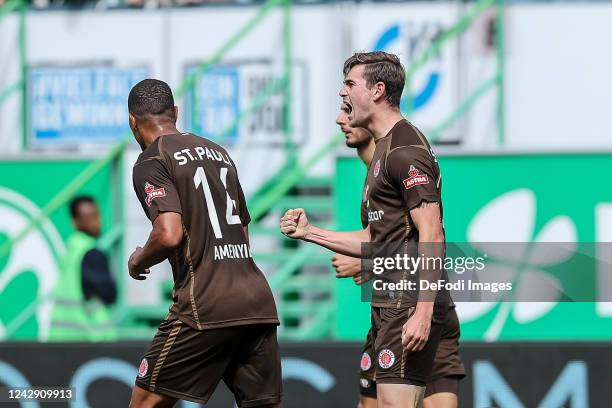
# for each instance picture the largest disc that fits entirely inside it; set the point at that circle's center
(415, 178)
(366, 362)
(386, 358)
(144, 367)
(377, 168)
(153, 193)
(364, 382)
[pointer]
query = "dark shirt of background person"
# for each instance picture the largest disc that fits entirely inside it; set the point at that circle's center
(96, 278)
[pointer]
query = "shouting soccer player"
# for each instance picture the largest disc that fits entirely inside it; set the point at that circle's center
(403, 200)
(222, 323)
(443, 383)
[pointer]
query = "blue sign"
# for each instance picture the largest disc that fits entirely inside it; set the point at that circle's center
(215, 104)
(420, 98)
(71, 105)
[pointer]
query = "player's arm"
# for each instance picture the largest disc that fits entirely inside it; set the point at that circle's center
(412, 171)
(157, 193)
(426, 218)
(166, 235)
(294, 224)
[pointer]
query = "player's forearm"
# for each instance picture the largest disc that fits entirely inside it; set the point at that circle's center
(157, 249)
(346, 243)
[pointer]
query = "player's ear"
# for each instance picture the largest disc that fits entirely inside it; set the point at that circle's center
(175, 113)
(379, 91)
(132, 122)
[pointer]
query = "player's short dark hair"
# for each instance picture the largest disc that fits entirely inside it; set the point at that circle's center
(151, 97)
(76, 202)
(382, 67)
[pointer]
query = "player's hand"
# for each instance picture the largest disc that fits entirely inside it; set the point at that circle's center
(346, 266)
(358, 279)
(416, 332)
(137, 272)
(294, 223)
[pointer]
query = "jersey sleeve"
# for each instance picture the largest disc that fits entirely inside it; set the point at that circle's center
(413, 172)
(155, 189)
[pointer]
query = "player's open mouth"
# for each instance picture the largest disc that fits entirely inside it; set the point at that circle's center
(349, 107)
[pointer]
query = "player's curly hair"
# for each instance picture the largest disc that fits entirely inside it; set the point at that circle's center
(382, 67)
(151, 97)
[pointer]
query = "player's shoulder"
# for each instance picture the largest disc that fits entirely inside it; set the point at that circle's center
(204, 141)
(405, 134)
(155, 155)
(405, 141)
(152, 152)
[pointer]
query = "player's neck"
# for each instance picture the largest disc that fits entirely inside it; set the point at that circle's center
(157, 129)
(366, 152)
(383, 121)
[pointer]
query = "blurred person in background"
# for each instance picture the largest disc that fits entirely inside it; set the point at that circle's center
(85, 290)
(442, 386)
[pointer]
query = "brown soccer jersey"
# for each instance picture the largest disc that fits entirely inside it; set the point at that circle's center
(216, 281)
(403, 173)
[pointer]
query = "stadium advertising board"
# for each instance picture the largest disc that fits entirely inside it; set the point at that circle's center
(407, 32)
(528, 199)
(505, 375)
(72, 105)
(226, 92)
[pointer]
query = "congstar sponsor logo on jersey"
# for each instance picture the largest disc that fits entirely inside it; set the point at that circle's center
(375, 215)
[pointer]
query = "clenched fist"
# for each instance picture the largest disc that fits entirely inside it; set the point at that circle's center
(135, 271)
(346, 266)
(294, 224)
